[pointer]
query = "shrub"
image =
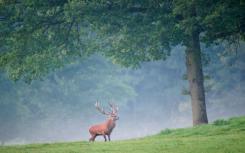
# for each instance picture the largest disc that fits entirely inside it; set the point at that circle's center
(220, 122)
(166, 131)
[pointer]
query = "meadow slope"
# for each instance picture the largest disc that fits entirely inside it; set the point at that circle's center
(222, 136)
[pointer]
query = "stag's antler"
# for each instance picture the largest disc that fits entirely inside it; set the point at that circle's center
(114, 108)
(100, 109)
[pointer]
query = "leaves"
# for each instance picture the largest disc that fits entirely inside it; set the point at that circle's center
(127, 32)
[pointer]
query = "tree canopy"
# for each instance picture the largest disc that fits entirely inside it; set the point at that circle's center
(37, 37)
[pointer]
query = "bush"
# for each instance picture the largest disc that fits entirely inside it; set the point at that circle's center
(220, 122)
(166, 131)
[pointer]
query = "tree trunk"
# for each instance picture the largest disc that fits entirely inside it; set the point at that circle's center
(195, 78)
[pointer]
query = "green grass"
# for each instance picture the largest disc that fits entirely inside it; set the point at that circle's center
(223, 136)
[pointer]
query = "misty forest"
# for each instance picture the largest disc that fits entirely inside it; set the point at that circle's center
(170, 74)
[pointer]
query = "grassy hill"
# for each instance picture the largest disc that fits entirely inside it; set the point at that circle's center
(222, 136)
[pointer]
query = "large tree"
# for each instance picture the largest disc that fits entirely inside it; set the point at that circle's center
(38, 36)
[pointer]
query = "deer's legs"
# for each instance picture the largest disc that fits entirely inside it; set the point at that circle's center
(92, 138)
(105, 137)
(109, 137)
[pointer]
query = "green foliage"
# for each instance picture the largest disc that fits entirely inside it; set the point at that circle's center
(220, 122)
(166, 132)
(205, 138)
(37, 37)
(185, 91)
(225, 61)
(40, 36)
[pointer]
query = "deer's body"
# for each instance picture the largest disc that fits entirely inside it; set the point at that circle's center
(105, 128)
(102, 129)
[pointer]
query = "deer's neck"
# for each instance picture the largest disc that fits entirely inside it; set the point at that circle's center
(110, 124)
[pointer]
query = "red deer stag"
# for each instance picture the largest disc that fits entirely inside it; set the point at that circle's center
(105, 128)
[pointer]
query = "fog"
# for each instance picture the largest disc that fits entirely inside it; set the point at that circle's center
(60, 107)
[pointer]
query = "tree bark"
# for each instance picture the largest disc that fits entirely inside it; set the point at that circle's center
(195, 78)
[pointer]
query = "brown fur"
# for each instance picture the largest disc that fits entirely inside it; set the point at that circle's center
(104, 129)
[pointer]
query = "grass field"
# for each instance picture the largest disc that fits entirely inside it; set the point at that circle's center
(222, 136)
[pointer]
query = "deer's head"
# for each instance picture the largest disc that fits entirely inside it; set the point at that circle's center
(113, 114)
